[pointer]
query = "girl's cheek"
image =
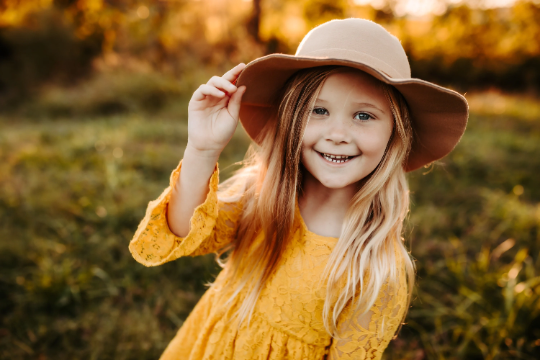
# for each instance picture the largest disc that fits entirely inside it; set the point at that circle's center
(308, 130)
(373, 142)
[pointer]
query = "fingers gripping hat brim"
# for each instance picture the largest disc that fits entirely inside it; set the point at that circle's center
(439, 115)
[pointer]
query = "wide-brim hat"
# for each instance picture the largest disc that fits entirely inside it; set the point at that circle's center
(439, 115)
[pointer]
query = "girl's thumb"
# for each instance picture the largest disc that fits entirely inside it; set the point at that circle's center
(234, 102)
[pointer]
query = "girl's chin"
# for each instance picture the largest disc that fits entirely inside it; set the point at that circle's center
(335, 183)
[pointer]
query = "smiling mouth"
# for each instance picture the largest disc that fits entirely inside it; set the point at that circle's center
(338, 159)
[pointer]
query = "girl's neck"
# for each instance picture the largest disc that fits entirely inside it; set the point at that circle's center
(323, 209)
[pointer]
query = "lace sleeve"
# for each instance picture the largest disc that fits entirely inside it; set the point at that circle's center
(368, 335)
(213, 226)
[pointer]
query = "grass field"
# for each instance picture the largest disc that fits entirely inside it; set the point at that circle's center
(73, 189)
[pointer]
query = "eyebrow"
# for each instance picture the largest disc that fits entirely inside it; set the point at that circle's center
(356, 103)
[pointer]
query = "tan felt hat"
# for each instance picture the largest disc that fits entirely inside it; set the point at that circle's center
(439, 115)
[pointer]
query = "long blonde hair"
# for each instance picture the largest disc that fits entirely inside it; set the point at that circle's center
(269, 183)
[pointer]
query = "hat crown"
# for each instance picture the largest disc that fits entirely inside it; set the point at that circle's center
(357, 40)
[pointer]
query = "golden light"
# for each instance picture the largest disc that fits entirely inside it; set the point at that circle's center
(101, 211)
(118, 152)
(420, 8)
(513, 273)
(520, 287)
(143, 12)
(518, 190)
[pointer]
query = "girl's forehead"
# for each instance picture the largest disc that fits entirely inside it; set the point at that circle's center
(352, 82)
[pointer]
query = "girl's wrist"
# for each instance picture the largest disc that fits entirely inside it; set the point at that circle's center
(197, 166)
(204, 155)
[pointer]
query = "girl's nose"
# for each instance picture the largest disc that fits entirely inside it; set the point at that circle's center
(338, 132)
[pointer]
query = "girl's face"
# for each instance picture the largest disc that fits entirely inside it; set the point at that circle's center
(348, 129)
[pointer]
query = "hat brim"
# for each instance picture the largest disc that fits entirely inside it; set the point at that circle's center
(439, 115)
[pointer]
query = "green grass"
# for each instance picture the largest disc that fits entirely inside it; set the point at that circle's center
(71, 196)
(72, 191)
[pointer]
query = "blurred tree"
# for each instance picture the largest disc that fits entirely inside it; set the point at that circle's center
(45, 46)
(317, 12)
(255, 20)
(285, 22)
(475, 48)
(57, 41)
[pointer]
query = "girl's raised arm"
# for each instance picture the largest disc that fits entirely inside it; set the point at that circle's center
(212, 119)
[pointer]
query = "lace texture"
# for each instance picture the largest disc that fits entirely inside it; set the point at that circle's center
(287, 319)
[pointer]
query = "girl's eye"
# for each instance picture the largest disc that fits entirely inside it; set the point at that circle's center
(319, 111)
(363, 116)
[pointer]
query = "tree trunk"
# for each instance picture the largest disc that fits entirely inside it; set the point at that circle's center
(255, 20)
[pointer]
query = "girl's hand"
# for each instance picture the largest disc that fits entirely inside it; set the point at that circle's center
(213, 113)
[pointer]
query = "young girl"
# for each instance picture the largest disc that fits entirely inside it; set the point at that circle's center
(312, 222)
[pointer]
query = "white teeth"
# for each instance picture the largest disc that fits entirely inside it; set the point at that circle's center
(336, 158)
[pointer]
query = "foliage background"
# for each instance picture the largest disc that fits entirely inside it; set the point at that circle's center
(93, 99)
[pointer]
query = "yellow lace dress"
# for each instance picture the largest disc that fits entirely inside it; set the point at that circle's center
(287, 319)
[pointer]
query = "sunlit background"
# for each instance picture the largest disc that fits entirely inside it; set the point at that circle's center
(93, 100)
